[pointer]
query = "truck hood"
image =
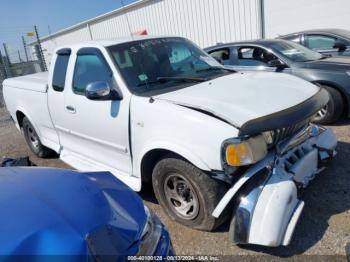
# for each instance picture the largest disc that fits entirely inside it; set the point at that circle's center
(242, 97)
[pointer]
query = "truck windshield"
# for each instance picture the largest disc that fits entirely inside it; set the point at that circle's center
(158, 65)
(296, 52)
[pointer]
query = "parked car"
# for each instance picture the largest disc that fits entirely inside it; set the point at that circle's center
(331, 73)
(325, 41)
(50, 211)
(160, 109)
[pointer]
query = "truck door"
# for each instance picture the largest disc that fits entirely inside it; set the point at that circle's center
(98, 131)
(57, 85)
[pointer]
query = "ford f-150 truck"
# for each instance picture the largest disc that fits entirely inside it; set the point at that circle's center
(214, 142)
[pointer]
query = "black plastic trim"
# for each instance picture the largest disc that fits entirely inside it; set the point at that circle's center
(64, 51)
(221, 176)
(286, 117)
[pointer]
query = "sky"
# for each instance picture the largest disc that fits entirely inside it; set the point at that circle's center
(19, 16)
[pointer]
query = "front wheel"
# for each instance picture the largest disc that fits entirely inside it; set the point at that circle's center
(333, 110)
(187, 194)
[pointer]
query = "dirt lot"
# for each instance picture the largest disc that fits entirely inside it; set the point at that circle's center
(324, 227)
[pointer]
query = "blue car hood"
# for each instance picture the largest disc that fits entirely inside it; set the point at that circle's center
(46, 211)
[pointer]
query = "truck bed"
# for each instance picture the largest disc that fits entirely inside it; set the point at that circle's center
(27, 96)
(34, 82)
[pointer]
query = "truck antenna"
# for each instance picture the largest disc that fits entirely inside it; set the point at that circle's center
(127, 18)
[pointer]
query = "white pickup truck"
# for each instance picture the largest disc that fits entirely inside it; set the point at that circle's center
(214, 142)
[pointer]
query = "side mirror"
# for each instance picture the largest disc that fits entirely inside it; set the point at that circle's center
(340, 45)
(101, 91)
(276, 63)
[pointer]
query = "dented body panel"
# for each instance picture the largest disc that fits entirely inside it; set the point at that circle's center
(267, 214)
(242, 97)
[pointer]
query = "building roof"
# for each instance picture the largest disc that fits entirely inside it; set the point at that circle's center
(114, 41)
(92, 20)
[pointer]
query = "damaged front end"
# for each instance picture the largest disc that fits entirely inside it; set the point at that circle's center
(267, 206)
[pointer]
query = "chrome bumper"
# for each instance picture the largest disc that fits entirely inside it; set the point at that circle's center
(268, 207)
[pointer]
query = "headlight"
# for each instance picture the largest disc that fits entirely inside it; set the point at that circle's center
(242, 152)
(151, 234)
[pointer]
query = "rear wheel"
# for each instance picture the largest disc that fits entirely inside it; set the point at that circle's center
(33, 140)
(333, 110)
(187, 194)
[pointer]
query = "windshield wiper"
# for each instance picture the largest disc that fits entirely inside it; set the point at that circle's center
(215, 68)
(181, 79)
(163, 79)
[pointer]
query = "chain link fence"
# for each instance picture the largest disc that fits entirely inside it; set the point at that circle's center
(16, 58)
(17, 69)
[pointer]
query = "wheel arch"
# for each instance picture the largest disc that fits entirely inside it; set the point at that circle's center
(20, 114)
(151, 156)
(19, 117)
(338, 88)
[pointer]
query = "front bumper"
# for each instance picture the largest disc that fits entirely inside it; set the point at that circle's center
(164, 247)
(267, 206)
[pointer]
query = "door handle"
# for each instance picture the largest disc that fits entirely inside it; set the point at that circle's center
(70, 109)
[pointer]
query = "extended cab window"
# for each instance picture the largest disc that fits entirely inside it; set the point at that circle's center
(60, 70)
(90, 68)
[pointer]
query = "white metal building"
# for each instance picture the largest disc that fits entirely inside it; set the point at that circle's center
(288, 16)
(207, 22)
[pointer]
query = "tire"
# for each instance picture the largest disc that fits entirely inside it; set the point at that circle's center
(33, 140)
(187, 194)
(333, 110)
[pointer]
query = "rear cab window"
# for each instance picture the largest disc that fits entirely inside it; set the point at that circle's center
(60, 69)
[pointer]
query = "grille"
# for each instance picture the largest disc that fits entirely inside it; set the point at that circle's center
(281, 134)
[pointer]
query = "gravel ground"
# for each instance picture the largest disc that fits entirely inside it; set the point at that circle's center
(324, 227)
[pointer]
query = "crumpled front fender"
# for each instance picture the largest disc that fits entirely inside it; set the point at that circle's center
(267, 207)
(263, 214)
(274, 209)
